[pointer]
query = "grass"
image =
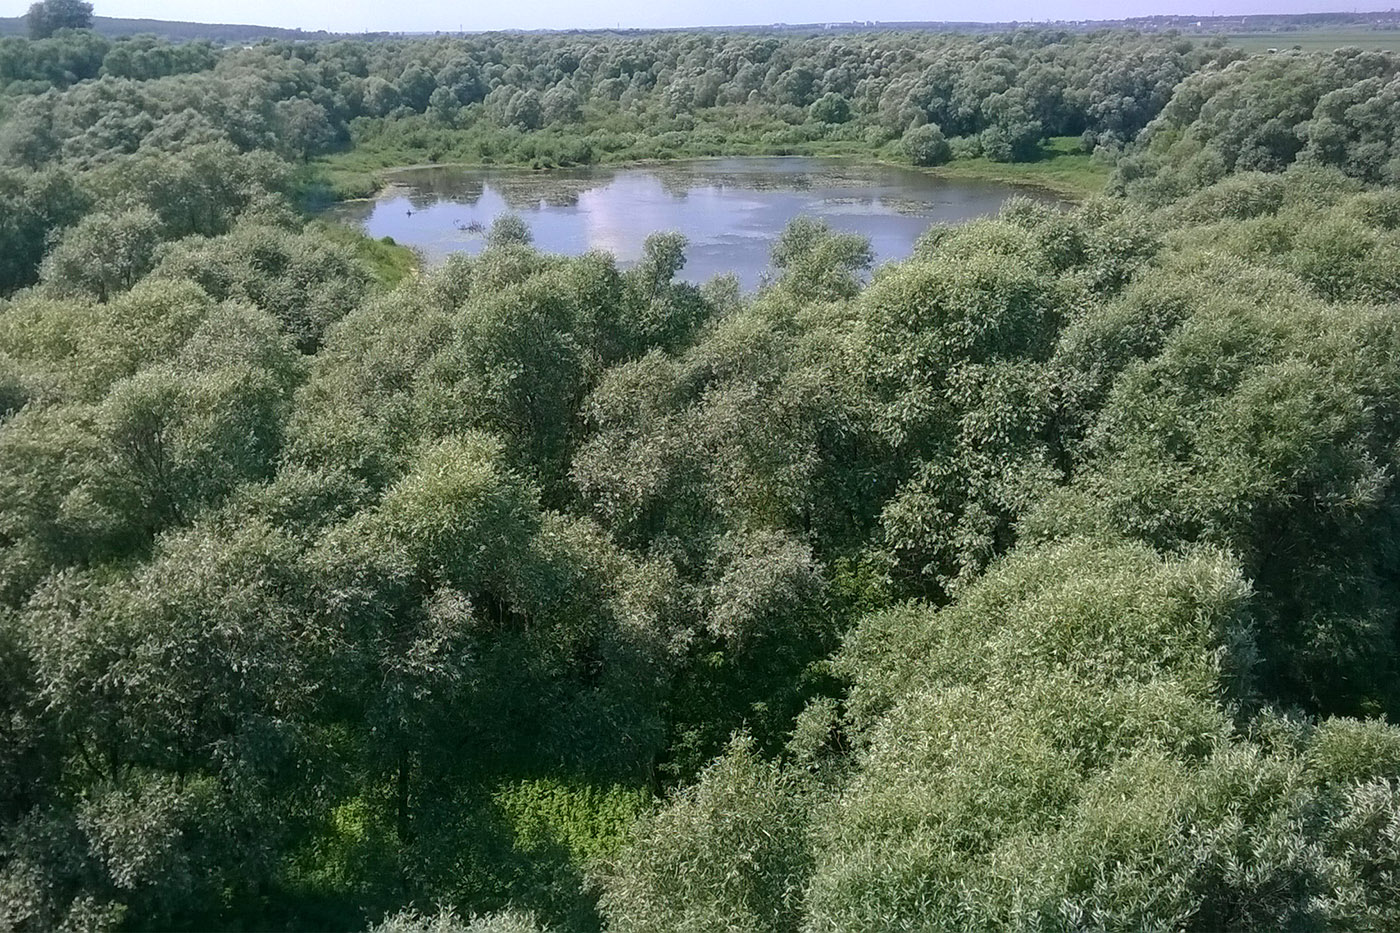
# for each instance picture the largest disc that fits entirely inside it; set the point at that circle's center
(1063, 169)
(1316, 40)
(387, 261)
(329, 179)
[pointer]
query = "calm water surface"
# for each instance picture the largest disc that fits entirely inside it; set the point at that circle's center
(730, 209)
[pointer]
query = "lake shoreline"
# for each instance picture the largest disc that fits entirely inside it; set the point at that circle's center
(1080, 182)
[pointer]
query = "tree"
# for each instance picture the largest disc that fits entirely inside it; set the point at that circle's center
(926, 145)
(322, 603)
(956, 340)
(1006, 771)
(660, 311)
(446, 920)
(46, 18)
(817, 263)
(729, 853)
(561, 105)
(380, 96)
(444, 106)
(302, 278)
(830, 108)
(303, 128)
(415, 86)
(524, 110)
(508, 230)
(32, 207)
(103, 254)
(150, 431)
(1268, 459)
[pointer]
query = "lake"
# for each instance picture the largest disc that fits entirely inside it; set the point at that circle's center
(730, 210)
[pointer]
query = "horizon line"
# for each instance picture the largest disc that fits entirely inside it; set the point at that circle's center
(816, 25)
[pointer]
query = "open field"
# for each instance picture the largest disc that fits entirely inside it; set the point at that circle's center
(1320, 40)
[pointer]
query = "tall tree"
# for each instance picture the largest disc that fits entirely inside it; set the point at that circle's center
(50, 16)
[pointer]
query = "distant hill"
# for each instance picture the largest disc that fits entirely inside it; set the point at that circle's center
(1385, 20)
(225, 33)
(232, 34)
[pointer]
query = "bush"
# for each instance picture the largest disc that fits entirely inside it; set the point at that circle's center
(728, 854)
(926, 145)
(830, 108)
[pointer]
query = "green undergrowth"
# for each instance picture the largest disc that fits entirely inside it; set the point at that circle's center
(388, 262)
(527, 841)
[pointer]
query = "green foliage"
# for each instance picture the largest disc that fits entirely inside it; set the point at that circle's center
(1266, 112)
(134, 845)
(305, 280)
(50, 16)
(33, 207)
(1282, 430)
(508, 230)
(830, 108)
(102, 254)
(387, 263)
(589, 822)
(146, 57)
(201, 191)
(954, 350)
(816, 263)
(447, 921)
(540, 100)
(145, 441)
(1048, 577)
(926, 145)
(1055, 748)
(1060, 167)
(727, 854)
(58, 61)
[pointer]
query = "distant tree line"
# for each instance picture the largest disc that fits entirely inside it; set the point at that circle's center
(599, 95)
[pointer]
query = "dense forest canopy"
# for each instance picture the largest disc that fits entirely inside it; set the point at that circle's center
(1048, 579)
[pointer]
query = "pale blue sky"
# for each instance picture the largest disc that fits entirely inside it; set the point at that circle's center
(360, 15)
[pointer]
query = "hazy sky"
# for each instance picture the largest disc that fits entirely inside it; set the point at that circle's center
(428, 15)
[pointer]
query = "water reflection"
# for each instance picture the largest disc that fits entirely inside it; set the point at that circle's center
(729, 209)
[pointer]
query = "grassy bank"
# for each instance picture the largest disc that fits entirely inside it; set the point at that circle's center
(1063, 168)
(388, 262)
(359, 173)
